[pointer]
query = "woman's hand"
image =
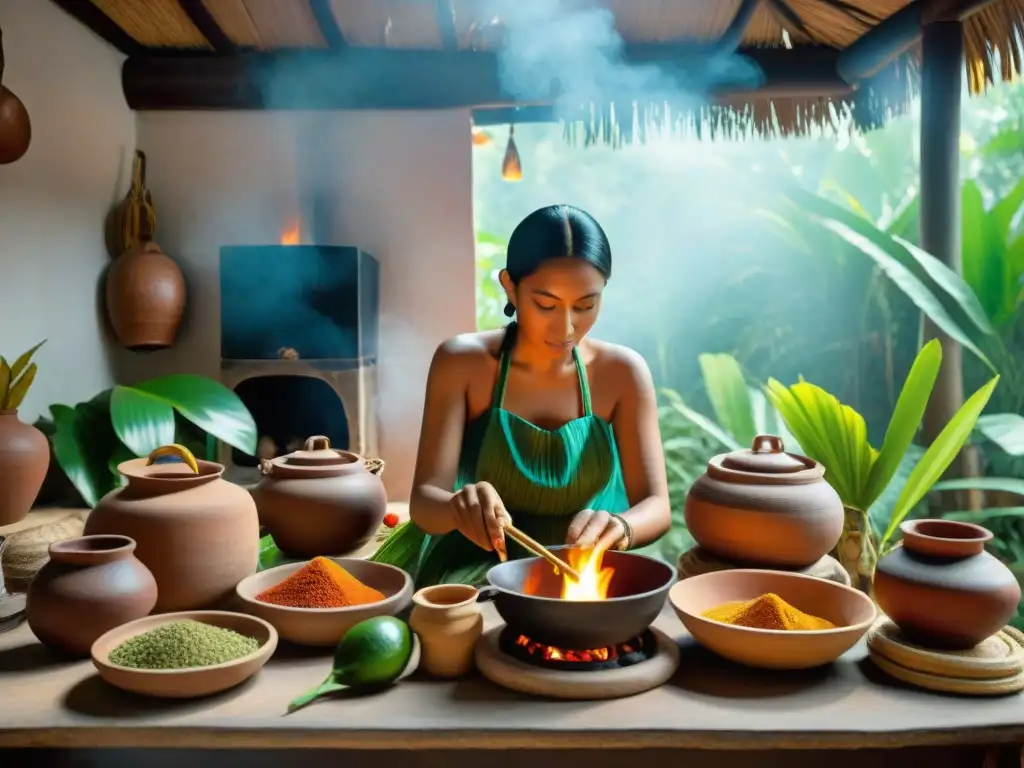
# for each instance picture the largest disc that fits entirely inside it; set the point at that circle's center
(480, 517)
(594, 529)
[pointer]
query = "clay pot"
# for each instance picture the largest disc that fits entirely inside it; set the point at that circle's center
(24, 459)
(319, 501)
(145, 298)
(196, 532)
(90, 585)
(765, 507)
(448, 621)
(15, 127)
(942, 589)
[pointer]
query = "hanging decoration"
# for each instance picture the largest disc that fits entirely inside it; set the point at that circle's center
(15, 127)
(511, 167)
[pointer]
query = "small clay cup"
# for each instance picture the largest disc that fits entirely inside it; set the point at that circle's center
(90, 585)
(448, 621)
(942, 589)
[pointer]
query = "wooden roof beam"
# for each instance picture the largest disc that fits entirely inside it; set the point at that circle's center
(446, 24)
(377, 78)
(328, 23)
(894, 36)
(208, 26)
(92, 17)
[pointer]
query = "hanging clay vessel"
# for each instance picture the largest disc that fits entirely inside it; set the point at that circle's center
(89, 586)
(15, 126)
(942, 589)
(765, 507)
(145, 298)
(196, 532)
(24, 459)
(448, 622)
(319, 501)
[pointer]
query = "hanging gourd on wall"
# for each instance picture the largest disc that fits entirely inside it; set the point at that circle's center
(146, 290)
(15, 127)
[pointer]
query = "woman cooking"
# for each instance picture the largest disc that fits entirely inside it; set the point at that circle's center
(535, 424)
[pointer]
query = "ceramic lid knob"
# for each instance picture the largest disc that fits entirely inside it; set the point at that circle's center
(766, 456)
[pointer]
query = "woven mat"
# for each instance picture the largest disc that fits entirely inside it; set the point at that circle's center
(28, 550)
(696, 561)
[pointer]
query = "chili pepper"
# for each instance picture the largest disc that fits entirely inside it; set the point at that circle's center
(391, 519)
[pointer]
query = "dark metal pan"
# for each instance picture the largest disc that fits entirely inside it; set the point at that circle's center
(636, 596)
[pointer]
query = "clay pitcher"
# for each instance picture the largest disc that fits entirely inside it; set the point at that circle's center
(942, 589)
(765, 507)
(448, 622)
(90, 585)
(319, 501)
(196, 532)
(146, 296)
(24, 459)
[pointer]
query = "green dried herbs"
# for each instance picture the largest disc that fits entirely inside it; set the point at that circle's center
(182, 644)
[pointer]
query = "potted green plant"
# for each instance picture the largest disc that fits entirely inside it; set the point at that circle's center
(835, 435)
(24, 452)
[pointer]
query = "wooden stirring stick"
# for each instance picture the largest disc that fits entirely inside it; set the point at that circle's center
(541, 551)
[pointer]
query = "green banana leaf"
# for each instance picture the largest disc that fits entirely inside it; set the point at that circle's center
(998, 484)
(91, 439)
(939, 456)
(905, 265)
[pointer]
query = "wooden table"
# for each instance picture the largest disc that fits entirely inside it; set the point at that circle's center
(710, 705)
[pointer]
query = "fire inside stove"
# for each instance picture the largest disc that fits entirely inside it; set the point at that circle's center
(537, 654)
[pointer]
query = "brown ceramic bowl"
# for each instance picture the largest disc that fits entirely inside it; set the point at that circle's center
(192, 682)
(325, 626)
(851, 611)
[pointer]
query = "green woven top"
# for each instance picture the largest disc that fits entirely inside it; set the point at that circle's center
(543, 476)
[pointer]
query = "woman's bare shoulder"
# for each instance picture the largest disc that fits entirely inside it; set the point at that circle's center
(467, 352)
(622, 365)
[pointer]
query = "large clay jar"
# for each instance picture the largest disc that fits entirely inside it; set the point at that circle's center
(145, 298)
(319, 501)
(196, 532)
(448, 622)
(765, 507)
(942, 589)
(24, 459)
(89, 586)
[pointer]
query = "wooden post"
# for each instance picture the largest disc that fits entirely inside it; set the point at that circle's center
(942, 68)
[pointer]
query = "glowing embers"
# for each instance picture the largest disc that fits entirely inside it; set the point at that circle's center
(522, 648)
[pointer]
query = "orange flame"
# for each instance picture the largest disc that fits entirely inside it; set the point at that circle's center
(292, 234)
(594, 578)
(481, 138)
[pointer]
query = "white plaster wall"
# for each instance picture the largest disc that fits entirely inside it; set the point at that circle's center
(54, 200)
(402, 186)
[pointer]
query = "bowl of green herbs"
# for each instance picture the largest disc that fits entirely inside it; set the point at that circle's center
(184, 655)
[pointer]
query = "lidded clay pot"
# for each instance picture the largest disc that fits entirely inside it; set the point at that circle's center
(90, 585)
(24, 459)
(765, 507)
(319, 501)
(942, 589)
(196, 532)
(448, 622)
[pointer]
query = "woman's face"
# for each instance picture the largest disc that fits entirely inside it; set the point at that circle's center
(557, 305)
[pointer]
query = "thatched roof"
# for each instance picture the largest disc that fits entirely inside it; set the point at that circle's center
(991, 41)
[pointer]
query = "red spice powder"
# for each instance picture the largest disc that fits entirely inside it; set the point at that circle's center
(320, 583)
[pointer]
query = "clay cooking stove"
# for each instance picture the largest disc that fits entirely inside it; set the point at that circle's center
(510, 658)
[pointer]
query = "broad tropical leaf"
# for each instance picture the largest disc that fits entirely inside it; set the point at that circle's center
(208, 404)
(1005, 430)
(675, 402)
(142, 422)
(906, 419)
(727, 390)
(940, 455)
(997, 484)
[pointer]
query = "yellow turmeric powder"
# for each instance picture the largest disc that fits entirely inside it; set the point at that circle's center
(766, 612)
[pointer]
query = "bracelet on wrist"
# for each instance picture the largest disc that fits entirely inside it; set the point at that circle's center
(626, 542)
